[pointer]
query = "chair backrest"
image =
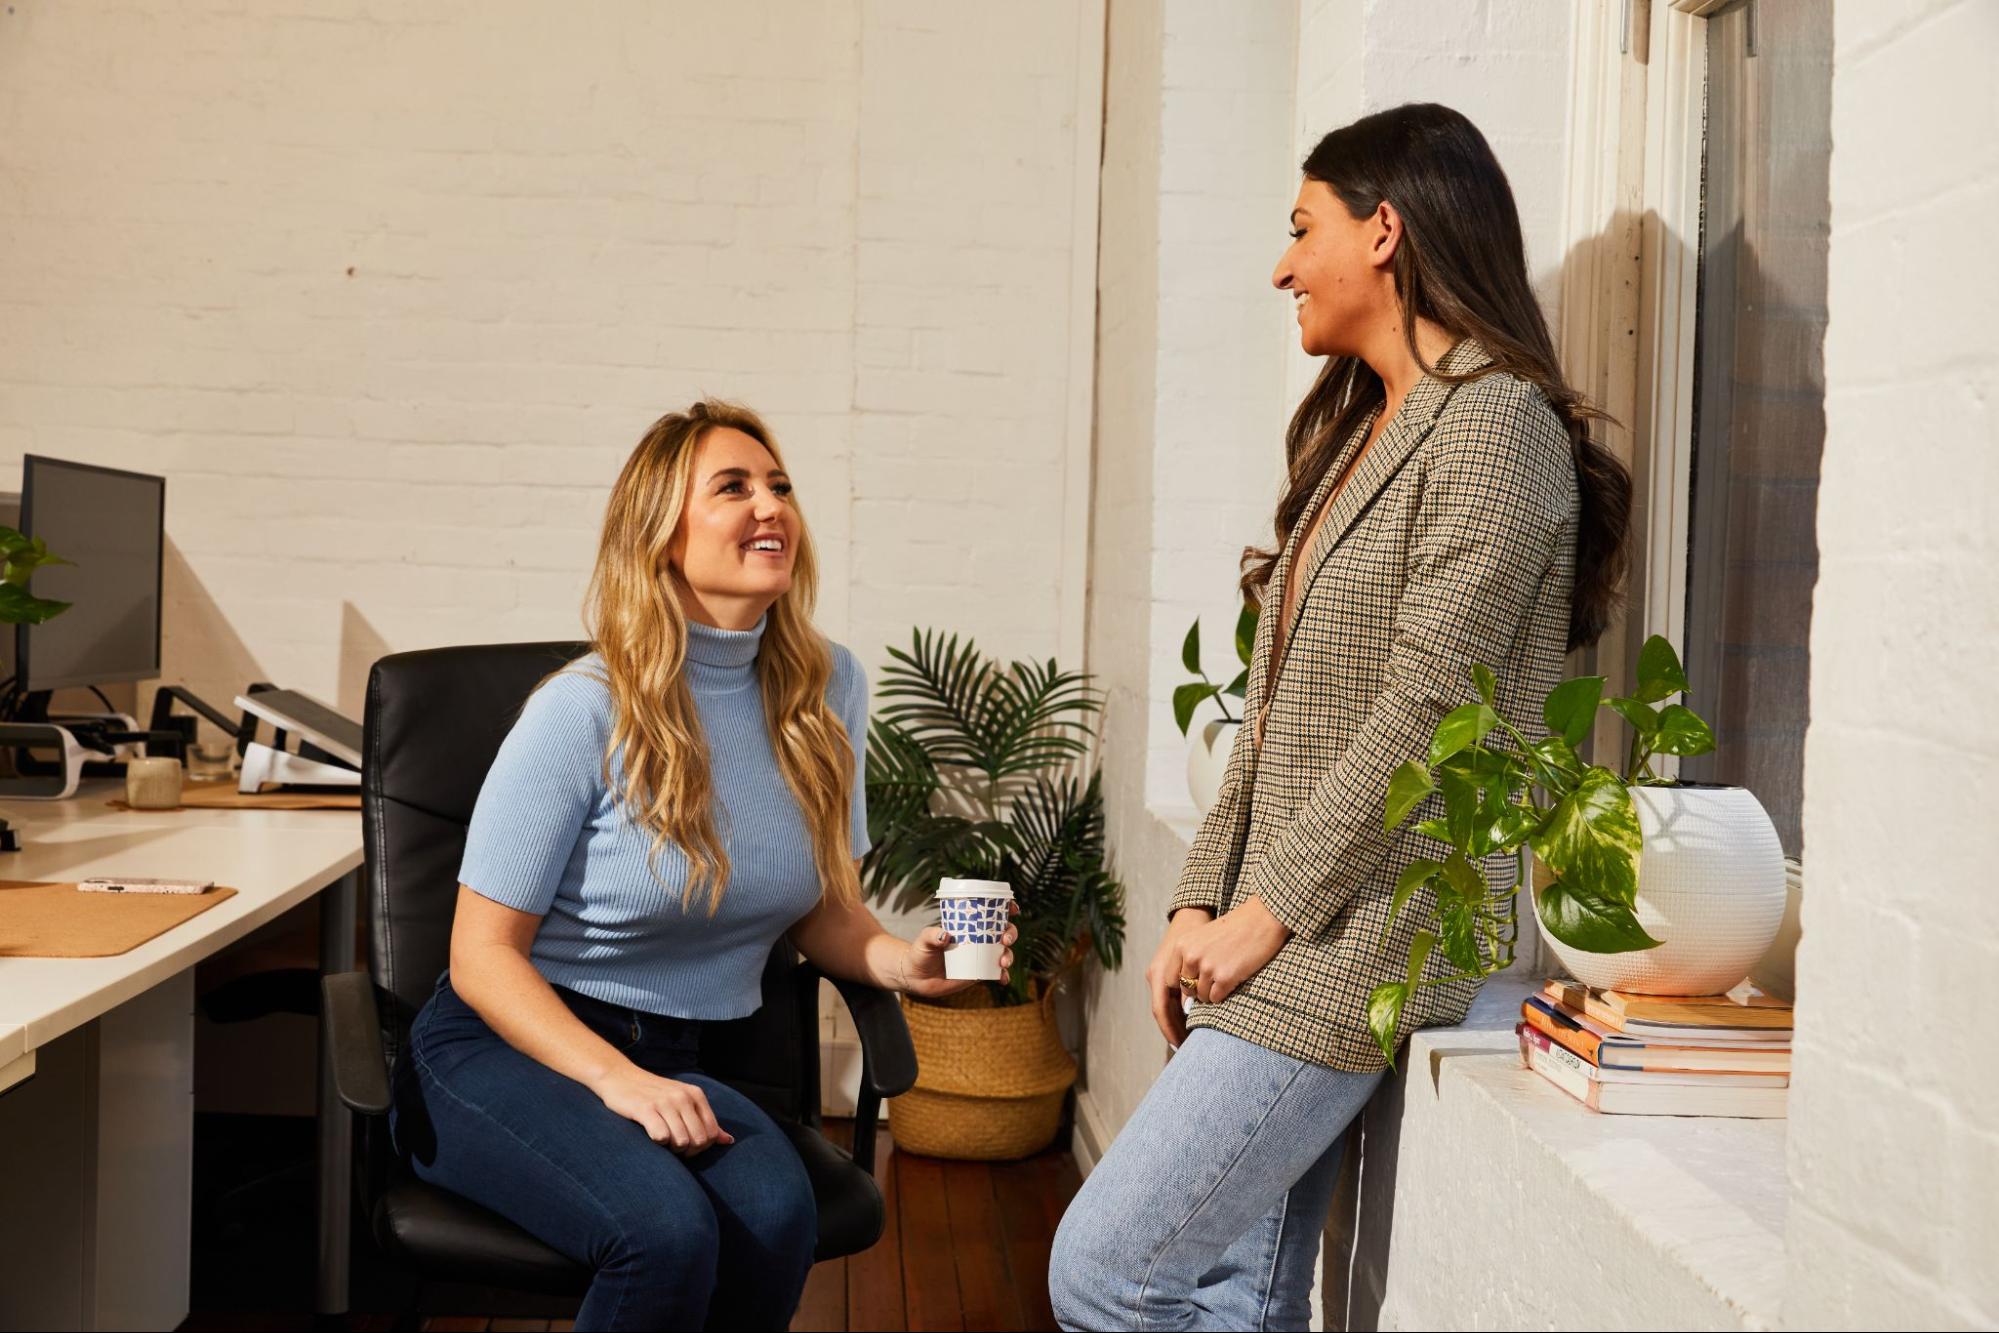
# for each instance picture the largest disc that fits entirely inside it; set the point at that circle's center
(434, 723)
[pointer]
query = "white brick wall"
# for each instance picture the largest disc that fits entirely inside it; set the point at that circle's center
(1894, 1143)
(388, 293)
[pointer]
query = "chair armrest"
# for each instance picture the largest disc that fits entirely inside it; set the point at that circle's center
(888, 1057)
(360, 1068)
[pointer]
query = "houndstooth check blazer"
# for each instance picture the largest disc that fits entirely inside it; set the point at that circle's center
(1452, 543)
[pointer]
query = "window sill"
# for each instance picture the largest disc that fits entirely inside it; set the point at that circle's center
(1542, 1211)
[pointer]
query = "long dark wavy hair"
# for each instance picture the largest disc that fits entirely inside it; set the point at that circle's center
(1462, 265)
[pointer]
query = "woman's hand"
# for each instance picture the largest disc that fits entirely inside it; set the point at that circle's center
(1226, 952)
(923, 963)
(1162, 976)
(672, 1113)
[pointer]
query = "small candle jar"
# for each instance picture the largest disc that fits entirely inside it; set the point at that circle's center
(152, 783)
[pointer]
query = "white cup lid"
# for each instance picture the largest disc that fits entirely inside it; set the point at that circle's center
(974, 888)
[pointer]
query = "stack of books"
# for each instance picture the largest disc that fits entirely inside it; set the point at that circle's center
(1625, 1054)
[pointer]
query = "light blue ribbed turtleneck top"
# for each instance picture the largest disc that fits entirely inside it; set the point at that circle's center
(549, 837)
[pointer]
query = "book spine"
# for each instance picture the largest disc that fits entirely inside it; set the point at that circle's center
(1536, 1058)
(1585, 1044)
(1559, 1054)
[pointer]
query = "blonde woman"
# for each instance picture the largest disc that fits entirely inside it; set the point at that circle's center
(664, 810)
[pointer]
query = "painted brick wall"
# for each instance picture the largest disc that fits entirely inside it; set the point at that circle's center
(388, 293)
(1196, 185)
(1894, 1133)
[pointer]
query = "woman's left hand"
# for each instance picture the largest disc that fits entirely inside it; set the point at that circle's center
(1231, 949)
(923, 965)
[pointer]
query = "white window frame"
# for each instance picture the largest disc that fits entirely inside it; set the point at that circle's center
(1629, 293)
(1630, 284)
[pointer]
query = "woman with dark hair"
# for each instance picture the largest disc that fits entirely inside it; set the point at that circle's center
(1445, 506)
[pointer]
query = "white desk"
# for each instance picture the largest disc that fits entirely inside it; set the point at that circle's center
(131, 1058)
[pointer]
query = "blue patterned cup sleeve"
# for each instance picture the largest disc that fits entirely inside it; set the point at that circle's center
(974, 920)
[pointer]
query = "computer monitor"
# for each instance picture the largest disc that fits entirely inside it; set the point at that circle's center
(111, 526)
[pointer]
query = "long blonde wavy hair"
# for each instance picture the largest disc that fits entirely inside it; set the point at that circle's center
(637, 625)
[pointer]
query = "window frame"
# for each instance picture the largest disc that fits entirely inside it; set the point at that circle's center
(1630, 290)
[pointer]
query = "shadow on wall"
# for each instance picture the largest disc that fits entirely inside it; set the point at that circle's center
(199, 648)
(361, 646)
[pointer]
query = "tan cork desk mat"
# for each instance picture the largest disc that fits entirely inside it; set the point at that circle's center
(224, 796)
(62, 921)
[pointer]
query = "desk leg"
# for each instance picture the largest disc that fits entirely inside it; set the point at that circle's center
(338, 906)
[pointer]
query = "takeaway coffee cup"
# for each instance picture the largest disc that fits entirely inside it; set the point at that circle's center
(974, 913)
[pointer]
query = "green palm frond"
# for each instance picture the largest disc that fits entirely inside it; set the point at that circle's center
(969, 712)
(1040, 716)
(1060, 825)
(901, 780)
(937, 693)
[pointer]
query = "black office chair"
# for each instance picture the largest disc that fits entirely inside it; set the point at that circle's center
(435, 720)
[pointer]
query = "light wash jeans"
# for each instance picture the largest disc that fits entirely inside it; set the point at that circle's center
(1206, 1211)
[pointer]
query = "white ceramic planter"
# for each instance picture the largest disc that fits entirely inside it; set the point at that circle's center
(1710, 884)
(1207, 758)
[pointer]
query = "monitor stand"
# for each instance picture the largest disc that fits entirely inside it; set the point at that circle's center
(99, 734)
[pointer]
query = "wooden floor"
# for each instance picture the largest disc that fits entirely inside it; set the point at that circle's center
(966, 1247)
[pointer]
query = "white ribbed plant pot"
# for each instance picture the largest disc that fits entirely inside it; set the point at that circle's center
(1207, 758)
(1710, 885)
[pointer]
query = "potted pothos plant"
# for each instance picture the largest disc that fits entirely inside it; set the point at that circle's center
(979, 769)
(1208, 754)
(20, 556)
(1625, 851)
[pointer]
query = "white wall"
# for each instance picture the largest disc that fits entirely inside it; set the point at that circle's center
(389, 293)
(1894, 1144)
(1190, 408)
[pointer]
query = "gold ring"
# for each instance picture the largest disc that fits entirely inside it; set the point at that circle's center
(1187, 984)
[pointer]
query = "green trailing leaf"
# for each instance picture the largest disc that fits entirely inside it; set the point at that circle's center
(1556, 765)
(1487, 769)
(1186, 698)
(1406, 790)
(1461, 727)
(1384, 1015)
(1660, 675)
(1420, 945)
(1245, 633)
(1413, 877)
(1592, 839)
(1484, 681)
(1643, 717)
(1584, 919)
(19, 607)
(1514, 826)
(1460, 806)
(1467, 885)
(1190, 649)
(1682, 732)
(1240, 685)
(1457, 935)
(1435, 828)
(1570, 709)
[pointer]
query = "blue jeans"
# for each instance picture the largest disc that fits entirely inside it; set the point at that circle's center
(722, 1239)
(1206, 1211)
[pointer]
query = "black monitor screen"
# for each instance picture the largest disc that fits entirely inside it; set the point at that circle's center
(109, 525)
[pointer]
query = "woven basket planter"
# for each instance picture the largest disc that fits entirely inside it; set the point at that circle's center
(989, 1081)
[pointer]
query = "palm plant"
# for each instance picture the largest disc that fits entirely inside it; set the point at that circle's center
(974, 771)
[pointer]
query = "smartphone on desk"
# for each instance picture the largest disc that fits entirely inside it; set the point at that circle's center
(140, 884)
